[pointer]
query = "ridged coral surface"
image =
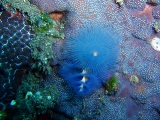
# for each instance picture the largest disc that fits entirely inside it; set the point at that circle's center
(15, 53)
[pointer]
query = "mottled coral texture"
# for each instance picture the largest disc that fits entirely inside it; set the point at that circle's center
(15, 53)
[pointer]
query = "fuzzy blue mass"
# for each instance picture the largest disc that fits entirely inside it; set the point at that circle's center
(83, 84)
(94, 49)
(68, 69)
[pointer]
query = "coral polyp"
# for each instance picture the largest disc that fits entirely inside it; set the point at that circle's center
(155, 43)
(134, 79)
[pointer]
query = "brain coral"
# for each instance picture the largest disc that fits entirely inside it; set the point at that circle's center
(15, 53)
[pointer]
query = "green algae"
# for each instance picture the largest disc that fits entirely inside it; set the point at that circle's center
(46, 26)
(111, 85)
(45, 33)
(43, 23)
(42, 53)
(2, 115)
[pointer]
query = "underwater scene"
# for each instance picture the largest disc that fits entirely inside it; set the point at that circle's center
(79, 59)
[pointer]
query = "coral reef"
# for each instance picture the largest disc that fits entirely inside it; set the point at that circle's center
(134, 22)
(18, 20)
(137, 61)
(139, 25)
(101, 106)
(45, 29)
(138, 64)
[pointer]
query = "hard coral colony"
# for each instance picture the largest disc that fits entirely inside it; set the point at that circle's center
(90, 58)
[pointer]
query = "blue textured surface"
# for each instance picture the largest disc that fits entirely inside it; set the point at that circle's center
(73, 75)
(88, 87)
(94, 49)
(67, 69)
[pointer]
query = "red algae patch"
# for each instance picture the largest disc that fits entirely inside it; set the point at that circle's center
(56, 15)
